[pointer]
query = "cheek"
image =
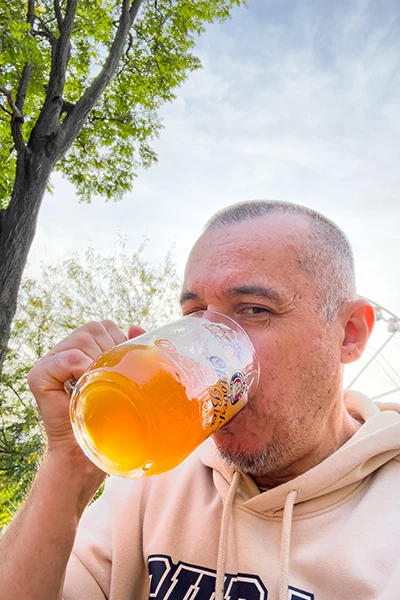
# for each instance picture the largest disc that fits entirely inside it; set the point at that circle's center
(275, 365)
(291, 357)
(277, 352)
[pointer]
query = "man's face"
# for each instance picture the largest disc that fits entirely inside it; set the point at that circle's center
(253, 272)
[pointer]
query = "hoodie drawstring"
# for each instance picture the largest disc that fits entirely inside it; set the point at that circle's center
(285, 545)
(285, 540)
(223, 538)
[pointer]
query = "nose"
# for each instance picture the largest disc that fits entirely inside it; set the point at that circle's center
(222, 310)
(218, 308)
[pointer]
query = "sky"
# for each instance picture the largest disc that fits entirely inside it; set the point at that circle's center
(298, 100)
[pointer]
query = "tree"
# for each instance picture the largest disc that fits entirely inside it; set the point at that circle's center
(82, 81)
(124, 288)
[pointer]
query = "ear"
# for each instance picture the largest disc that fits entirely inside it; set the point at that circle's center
(358, 321)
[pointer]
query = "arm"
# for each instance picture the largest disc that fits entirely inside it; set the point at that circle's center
(36, 547)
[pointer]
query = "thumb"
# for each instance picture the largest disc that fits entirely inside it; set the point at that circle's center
(134, 331)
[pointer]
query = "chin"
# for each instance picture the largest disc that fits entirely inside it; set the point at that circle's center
(233, 439)
(253, 462)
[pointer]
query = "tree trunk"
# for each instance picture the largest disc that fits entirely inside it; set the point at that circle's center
(17, 230)
(48, 142)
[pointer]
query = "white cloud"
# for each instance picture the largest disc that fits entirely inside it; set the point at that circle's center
(302, 106)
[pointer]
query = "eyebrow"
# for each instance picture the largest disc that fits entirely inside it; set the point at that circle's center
(185, 296)
(259, 291)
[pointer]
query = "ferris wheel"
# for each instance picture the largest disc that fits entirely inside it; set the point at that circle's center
(377, 373)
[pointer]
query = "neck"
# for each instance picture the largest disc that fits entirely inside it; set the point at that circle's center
(337, 431)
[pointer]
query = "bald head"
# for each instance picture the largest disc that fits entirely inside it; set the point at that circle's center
(324, 251)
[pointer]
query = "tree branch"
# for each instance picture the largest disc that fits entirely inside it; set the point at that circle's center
(57, 11)
(76, 118)
(61, 53)
(129, 45)
(3, 435)
(86, 151)
(23, 86)
(46, 32)
(16, 120)
(27, 70)
(134, 9)
(17, 394)
(16, 113)
(126, 62)
(31, 12)
(152, 51)
(67, 106)
(157, 9)
(48, 35)
(5, 110)
(47, 124)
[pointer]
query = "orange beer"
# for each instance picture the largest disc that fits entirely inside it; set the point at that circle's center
(141, 409)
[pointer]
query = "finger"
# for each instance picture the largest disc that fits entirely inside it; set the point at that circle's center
(134, 331)
(116, 334)
(53, 371)
(106, 333)
(81, 340)
(94, 338)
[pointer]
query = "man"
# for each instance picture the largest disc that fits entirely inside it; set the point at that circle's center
(296, 497)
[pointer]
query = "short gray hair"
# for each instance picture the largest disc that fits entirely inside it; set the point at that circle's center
(328, 256)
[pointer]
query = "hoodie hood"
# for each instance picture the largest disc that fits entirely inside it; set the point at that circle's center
(375, 443)
(333, 480)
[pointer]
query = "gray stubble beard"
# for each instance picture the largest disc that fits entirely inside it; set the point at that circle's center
(258, 464)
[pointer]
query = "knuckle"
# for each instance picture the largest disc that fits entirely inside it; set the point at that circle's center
(36, 372)
(74, 357)
(31, 377)
(95, 328)
(108, 323)
(83, 339)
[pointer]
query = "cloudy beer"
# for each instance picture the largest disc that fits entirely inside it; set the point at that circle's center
(145, 405)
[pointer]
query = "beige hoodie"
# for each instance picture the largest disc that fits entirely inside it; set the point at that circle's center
(332, 533)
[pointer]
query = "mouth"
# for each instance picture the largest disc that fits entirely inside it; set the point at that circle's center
(231, 420)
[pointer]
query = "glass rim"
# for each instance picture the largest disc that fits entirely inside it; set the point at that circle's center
(197, 313)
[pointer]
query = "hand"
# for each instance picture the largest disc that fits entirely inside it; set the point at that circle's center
(70, 359)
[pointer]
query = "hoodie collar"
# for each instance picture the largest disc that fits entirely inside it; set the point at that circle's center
(375, 443)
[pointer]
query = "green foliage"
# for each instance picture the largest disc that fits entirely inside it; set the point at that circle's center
(124, 288)
(18, 47)
(115, 141)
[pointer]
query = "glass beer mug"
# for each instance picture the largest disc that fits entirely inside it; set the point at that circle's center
(146, 404)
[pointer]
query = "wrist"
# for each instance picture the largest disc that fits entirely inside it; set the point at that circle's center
(74, 475)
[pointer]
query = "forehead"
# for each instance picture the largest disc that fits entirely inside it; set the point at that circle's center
(268, 249)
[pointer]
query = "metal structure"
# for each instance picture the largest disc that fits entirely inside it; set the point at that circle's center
(389, 322)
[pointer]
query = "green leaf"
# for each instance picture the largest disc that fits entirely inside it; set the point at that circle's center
(125, 288)
(115, 142)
